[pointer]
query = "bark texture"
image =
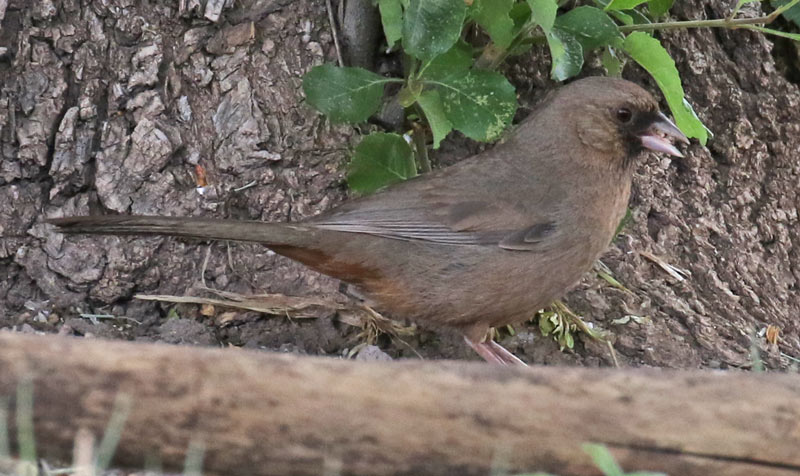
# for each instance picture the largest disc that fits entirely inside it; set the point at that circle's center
(114, 103)
(258, 413)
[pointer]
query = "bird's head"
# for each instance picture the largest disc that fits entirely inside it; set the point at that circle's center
(619, 119)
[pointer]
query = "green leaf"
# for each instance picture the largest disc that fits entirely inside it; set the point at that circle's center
(603, 459)
(792, 14)
(431, 27)
(546, 325)
(624, 18)
(566, 340)
(478, 103)
(392, 20)
(566, 54)
(380, 159)
(623, 4)
(493, 16)
(648, 52)
(456, 60)
(638, 17)
(613, 281)
(409, 93)
(520, 14)
(659, 8)
(431, 104)
(544, 12)
(344, 94)
(611, 63)
(591, 26)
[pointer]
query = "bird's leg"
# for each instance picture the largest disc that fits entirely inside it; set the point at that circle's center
(494, 353)
(485, 351)
(507, 357)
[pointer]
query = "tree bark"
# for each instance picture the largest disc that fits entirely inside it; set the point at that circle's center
(269, 414)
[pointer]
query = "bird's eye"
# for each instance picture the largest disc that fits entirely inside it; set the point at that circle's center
(624, 115)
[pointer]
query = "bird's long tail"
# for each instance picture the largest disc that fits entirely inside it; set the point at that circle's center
(203, 228)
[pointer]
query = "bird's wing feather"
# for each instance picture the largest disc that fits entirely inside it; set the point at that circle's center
(433, 211)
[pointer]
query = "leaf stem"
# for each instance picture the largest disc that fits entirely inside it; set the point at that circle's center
(736, 9)
(491, 57)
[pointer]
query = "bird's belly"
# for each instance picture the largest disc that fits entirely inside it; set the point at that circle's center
(480, 287)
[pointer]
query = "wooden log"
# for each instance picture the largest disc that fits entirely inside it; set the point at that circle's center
(259, 413)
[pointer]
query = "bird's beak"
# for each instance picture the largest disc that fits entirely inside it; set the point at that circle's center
(660, 135)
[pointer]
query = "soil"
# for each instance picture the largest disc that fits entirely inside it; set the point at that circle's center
(111, 105)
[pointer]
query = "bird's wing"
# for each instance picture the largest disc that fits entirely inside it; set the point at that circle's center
(431, 209)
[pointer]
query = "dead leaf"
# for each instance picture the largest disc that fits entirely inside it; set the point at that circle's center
(207, 310)
(226, 317)
(202, 178)
(773, 334)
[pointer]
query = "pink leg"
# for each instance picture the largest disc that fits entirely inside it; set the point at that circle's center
(494, 353)
(482, 349)
(507, 357)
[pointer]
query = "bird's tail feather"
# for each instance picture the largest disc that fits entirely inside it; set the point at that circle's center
(204, 228)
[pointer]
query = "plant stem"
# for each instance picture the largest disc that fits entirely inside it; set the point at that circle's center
(491, 57)
(423, 161)
(717, 23)
(768, 31)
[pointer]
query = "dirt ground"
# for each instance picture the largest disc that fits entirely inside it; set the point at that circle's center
(109, 105)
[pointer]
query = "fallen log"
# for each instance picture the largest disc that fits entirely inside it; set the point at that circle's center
(259, 413)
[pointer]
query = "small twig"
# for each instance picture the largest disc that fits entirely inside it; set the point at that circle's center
(613, 353)
(279, 305)
(293, 307)
(412, 349)
(205, 265)
(93, 318)
(230, 258)
(246, 186)
(787, 356)
(374, 323)
(674, 271)
(332, 21)
(605, 273)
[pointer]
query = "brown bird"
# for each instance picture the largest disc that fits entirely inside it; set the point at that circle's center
(486, 242)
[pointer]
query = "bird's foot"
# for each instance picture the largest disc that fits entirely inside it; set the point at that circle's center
(494, 353)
